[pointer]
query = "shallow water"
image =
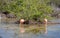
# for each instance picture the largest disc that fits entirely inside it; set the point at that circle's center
(8, 31)
(13, 31)
(52, 32)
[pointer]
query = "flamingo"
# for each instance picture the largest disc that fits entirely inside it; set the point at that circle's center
(22, 21)
(45, 21)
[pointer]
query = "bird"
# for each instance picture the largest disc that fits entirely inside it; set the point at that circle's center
(45, 21)
(45, 25)
(22, 21)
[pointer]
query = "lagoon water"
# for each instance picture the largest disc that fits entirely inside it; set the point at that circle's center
(13, 31)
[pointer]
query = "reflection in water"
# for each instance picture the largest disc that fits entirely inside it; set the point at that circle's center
(34, 29)
(45, 28)
(22, 30)
(40, 31)
(13, 31)
(45, 25)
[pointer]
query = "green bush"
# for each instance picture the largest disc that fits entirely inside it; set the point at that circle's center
(27, 9)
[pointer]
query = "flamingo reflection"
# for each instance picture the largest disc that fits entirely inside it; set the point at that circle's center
(22, 30)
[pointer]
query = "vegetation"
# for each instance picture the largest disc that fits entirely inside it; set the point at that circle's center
(27, 9)
(35, 30)
(56, 2)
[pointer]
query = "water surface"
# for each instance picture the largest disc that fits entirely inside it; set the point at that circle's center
(13, 31)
